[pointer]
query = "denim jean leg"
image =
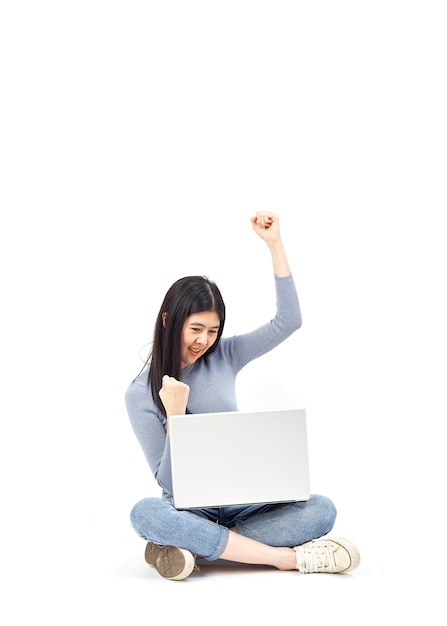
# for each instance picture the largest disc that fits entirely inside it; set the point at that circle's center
(157, 520)
(290, 524)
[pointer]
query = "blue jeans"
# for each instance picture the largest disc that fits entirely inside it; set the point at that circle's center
(205, 531)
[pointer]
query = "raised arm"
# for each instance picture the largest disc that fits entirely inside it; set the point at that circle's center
(266, 225)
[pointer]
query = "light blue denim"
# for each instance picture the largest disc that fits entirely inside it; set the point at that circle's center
(205, 531)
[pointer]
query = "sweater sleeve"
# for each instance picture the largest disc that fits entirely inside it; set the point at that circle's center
(149, 427)
(241, 349)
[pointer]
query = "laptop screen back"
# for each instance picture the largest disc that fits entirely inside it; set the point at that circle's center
(239, 457)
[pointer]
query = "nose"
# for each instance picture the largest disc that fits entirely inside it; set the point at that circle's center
(202, 337)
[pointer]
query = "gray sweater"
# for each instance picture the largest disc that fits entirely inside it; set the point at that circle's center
(212, 381)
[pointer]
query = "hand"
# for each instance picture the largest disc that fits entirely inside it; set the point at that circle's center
(266, 225)
(174, 394)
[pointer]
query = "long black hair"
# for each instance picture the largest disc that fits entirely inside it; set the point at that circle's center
(188, 295)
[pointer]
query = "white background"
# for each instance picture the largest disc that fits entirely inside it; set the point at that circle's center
(137, 138)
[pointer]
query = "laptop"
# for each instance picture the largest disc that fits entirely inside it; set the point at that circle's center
(239, 458)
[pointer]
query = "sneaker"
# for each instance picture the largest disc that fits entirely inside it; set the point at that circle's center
(327, 556)
(170, 562)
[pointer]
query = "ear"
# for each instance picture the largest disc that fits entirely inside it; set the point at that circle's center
(163, 317)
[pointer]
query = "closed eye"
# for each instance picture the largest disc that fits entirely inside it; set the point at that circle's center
(212, 331)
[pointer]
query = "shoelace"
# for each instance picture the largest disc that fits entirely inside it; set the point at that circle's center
(315, 558)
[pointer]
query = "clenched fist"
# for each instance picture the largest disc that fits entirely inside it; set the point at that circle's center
(174, 394)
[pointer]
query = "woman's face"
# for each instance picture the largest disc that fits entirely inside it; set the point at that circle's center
(198, 334)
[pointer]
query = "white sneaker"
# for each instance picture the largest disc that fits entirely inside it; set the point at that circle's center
(327, 556)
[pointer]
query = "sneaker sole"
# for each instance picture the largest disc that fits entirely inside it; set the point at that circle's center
(170, 562)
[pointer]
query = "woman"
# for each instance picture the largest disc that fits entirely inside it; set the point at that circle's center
(191, 368)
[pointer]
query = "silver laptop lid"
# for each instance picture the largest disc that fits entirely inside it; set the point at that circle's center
(240, 457)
